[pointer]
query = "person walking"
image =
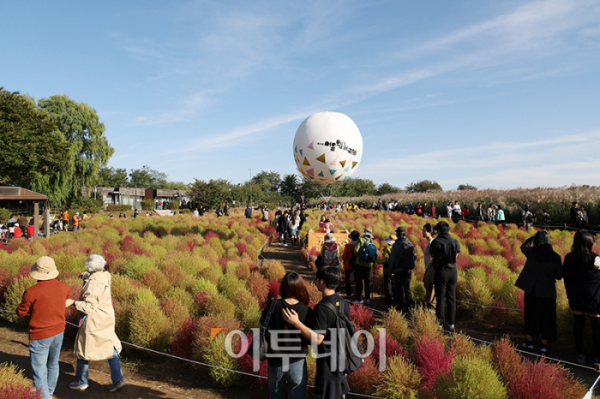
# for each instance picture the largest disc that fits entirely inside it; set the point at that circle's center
(248, 212)
(282, 227)
(491, 214)
(479, 212)
(363, 269)
(537, 279)
(45, 303)
(527, 216)
(349, 260)
(96, 337)
(387, 277)
(294, 225)
(76, 222)
(402, 263)
(500, 215)
(428, 277)
(329, 251)
(65, 220)
(286, 354)
(581, 271)
(444, 250)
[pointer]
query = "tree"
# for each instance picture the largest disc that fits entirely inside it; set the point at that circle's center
(355, 188)
(147, 178)
(33, 151)
(466, 187)
(269, 182)
(212, 193)
(387, 188)
(289, 186)
(89, 150)
(423, 186)
(111, 177)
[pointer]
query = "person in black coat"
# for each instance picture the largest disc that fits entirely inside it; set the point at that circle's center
(537, 279)
(444, 250)
(581, 271)
(282, 227)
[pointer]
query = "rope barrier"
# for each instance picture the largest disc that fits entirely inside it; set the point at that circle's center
(204, 364)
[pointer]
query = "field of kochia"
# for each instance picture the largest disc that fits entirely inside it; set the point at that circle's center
(175, 278)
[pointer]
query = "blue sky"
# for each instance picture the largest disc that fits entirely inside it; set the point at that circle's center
(494, 94)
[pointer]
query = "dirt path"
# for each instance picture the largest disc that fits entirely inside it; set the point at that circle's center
(145, 377)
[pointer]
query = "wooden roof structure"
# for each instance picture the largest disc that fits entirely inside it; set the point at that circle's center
(8, 193)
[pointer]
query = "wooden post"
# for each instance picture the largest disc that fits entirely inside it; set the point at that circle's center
(47, 222)
(36, 219)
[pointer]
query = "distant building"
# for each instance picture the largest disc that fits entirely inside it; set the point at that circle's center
(168, 195)
(117, 196)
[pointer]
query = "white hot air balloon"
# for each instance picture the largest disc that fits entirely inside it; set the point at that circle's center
(328, 147)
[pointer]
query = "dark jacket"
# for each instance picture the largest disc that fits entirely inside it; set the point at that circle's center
(282, 223)
(402, 256)
(582, 282)
(444, 250)
(248, 213)
(537, 277)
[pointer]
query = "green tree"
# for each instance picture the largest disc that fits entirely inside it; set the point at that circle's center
(269, 183)
(111, 177)
(423, 186)
(355, 188)
(147, 178)
(212, 193)
(387, 188)
(466, 187)
(289, 186)
(33, 152)
(89, 150)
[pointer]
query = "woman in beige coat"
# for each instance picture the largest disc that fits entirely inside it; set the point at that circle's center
(96, 338)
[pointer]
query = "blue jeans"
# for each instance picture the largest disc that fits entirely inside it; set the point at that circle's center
(293, 381)
(81, 374)
(44, 355)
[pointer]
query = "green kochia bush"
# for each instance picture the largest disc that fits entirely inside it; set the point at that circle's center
(470, 378)
(401, 380)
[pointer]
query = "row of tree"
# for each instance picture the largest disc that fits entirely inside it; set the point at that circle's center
(145, 177)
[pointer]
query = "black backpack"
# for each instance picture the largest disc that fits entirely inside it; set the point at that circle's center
(406, 260)
(347, 359)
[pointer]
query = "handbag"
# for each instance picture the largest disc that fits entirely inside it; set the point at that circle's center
(263, 343)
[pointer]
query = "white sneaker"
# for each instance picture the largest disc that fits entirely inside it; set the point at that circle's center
(285, 245)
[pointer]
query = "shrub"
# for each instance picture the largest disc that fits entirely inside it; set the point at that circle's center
(400, 380)
(431, 359)
(361, 317)
(396, 326)
(117, 208)
(392, 347)
(148, 204)
(218, 305)
(425, 323)
(203, 331)
(156, 281)
(123, 288)
(204, 285)
(273, 289)
(148, 325)
(470, 378)
(258, 286)
(176, 312)
(14, 385)
(229, 285)
(365, 379)
(273, 270)
(14, 296)
(217, 355)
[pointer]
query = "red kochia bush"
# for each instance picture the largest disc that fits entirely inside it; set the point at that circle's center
(366, 378)
(241, 247)
(211, 234)
(392, 348)
(184, 338)
(273, 289)
(5, 248)
(431, 360)
(539, 380)
(361, 317)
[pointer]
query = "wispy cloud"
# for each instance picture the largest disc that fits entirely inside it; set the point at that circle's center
(551, 161)
(185, 110)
